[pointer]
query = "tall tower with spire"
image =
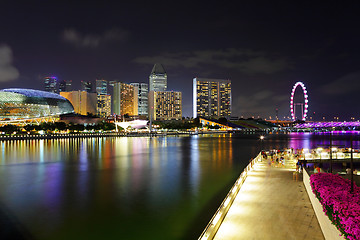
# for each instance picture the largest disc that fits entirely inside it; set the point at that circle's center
(158, 78)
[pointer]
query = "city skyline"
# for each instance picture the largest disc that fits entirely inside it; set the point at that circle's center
(263, 48)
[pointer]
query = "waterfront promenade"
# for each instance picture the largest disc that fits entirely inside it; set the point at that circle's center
(271, 205)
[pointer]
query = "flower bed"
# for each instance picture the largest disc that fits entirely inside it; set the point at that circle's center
(341, 206)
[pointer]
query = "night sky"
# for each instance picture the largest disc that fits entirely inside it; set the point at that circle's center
(264, 48)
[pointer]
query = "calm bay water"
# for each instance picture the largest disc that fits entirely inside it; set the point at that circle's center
(126, 187)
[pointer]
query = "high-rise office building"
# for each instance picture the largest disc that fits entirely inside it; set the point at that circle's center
(165, 105)
(103, 99)
(86, 86)
(142, 92)
(124, 99)
(103, 105)
(211, 97)
(65, 86)
(50, 84)
(82, 101)
(158, 78)
(101, 86)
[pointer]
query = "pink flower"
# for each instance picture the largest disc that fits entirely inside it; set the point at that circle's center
(341, 206)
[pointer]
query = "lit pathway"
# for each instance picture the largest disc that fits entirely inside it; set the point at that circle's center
(271, 205)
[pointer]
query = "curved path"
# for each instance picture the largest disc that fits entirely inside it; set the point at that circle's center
(271, 205)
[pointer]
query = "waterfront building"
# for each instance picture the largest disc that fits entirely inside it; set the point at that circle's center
(83, 102)
(86, 86)
(124, 99)
(213, 123)
(158, 78)
(142, 93)
(65, 86)
(101, 86)
(103, 105)
(50, 84)
(165, 105)
(211, 97)
(18, 103)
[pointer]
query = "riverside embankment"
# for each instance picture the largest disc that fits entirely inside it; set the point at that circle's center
(270, 204)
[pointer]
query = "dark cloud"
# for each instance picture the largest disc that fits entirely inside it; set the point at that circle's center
(262, 103)
(78, 39)
(7, 71)
(243, 60)
(349, 83)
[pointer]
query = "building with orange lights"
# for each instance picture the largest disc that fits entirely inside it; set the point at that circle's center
(82, 101)
(211, 98)
(165, 105)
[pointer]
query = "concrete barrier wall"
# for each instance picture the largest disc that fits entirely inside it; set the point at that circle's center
(329, 230)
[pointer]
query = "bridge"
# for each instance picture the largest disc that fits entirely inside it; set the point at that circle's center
(327, 124)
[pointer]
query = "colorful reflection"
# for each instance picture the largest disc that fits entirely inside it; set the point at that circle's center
(128, 187)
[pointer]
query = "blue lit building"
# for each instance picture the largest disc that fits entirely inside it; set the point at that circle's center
(18, 103)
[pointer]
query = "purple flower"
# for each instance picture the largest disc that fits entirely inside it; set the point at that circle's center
(341, 206)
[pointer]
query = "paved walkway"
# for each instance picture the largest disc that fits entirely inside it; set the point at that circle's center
(271, 205)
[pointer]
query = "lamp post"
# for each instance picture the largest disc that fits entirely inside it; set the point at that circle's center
(261, 144)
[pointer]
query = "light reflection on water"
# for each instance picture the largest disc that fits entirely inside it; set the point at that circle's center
(136, 188)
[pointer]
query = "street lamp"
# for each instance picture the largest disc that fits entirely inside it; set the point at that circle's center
(261, 142)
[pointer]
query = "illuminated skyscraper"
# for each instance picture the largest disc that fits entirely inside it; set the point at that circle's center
(103, 99)
(124, 99)
(50, 84)
(158, 78)
(101, 86)
(86, 86)
(103, 105)
(143, 91)
(82, 101)
(165, 105)
(65, 86)
(211, 97)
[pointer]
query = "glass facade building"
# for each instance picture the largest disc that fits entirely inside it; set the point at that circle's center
(86, 86)
(17, 103)
(101, 86)
(158, 78)
(142, 92)
(65, 86)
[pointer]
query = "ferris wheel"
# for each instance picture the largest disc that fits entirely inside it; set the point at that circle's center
(304, 105)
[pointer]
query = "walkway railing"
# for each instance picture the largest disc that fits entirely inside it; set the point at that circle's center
(221, 212)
